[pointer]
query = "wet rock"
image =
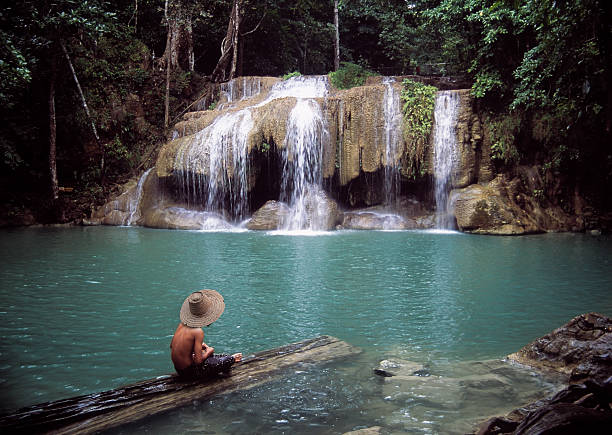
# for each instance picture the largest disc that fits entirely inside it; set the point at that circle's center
(179, 218)
(580, 349)
(373, 221)
(398, 367)
(583, 408)
(489, 210)
(269, 216)
(118, 210)
(321, 212)
(374, 430)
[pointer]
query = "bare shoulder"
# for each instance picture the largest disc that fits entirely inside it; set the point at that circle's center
(194, 332)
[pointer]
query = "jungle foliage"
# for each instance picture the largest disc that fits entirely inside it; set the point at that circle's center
(539, 68)
(418, 103)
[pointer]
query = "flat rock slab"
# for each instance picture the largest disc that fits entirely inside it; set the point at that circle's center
(104, 410)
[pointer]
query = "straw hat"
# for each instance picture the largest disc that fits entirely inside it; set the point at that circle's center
(202, 308)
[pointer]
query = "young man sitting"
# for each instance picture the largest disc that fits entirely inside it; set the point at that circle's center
(192, 358)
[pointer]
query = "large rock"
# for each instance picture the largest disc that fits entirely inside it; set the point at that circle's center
(179, 218)
(364, 220)
(122, 210)
(321, 213)
(314, 211)
(269, 217)
(580, 349)
(374, 220)
(488, 209)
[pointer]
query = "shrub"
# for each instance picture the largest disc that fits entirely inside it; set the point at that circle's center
(349, 76)
(418, 109)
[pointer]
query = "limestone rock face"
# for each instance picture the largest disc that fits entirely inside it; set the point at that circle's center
(269, 217)
(358, 123)
(488, 210)
(508, 207)
(118, 211)
(581, 349)
(474, 159)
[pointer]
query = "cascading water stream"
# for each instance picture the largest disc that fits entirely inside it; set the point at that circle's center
(214, 166)
(393, 117)
(302, 173)
(445, 153)
(134, 204)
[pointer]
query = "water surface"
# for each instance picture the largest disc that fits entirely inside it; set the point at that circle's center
(88, 309)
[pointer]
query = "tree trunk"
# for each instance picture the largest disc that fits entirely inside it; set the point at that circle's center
(53, 133)
(229, 46)
(84, 102)
(337, 40)
(167, 57)
(107, 409)
(179, 41)
(178, 53)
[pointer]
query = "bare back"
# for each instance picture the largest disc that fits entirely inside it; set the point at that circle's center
(186, 346)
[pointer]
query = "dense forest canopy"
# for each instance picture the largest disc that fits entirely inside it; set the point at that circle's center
(97, 82)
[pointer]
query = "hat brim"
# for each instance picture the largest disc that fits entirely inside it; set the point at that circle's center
(217, 306)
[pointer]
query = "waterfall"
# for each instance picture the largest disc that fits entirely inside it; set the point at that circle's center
(302, 172)
(214, 166)
(134, 203)
(393, 117)
(445, 153)
(302, 178)
(250, 87)
(300, 87)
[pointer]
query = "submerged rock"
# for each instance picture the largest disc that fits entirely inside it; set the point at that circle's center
(374, 430)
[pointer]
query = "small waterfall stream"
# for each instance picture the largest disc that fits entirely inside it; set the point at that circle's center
(445, 153)
(134, 204)
(393, 117)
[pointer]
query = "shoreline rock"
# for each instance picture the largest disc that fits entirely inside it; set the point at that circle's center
(580, 350)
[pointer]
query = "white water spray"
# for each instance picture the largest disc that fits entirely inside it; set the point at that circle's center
(445, 153)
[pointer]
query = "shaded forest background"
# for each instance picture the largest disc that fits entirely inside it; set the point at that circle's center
(540, 71)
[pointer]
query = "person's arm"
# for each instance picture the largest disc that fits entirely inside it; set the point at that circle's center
(207, 350)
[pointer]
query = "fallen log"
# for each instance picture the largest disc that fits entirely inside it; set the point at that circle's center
(99, 411)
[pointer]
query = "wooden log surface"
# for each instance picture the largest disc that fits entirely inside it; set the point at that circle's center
(99, 411)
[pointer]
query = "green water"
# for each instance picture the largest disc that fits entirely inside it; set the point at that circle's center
(88, 309)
